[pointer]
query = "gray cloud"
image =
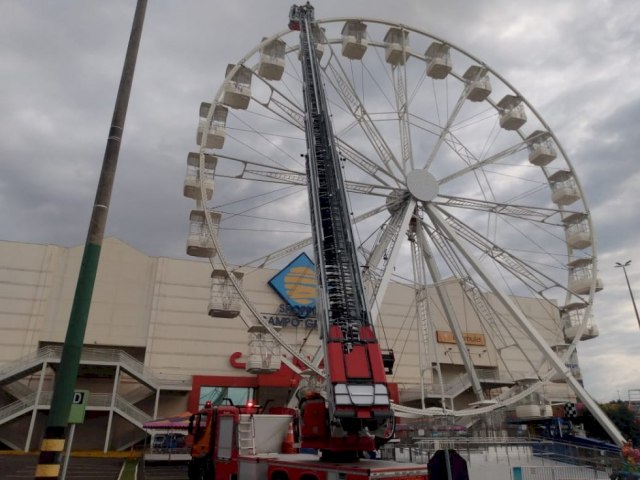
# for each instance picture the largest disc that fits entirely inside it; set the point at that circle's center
(575, 61)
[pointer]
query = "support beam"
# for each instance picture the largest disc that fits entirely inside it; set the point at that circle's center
(437, 217)
(36, 402)
(450, 315)
(112, 405)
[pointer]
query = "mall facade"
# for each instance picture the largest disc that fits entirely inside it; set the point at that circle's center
(153, 350)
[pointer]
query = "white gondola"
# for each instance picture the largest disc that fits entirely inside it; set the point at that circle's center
(438, 60)
(195, 178)
(581, 276)
(564, 189)
(264, 351)
(528, 411)
(577, 231)
(199, 241)
(216, 131)
(512, 114)
(237, 88)
(224, 300)
(354, 39)
(397, 46)
(272, 60)
(571, 363)
(572, 316)
(541, 148)
(479, 83)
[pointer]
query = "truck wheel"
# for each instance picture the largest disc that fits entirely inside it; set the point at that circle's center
(279, 476)
(194, 471)
(200, 470)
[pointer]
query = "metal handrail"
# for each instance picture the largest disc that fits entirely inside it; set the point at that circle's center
(13, 408)
(100, 400)
(90, 354)
(18, 389)
(548, 448)
(32, 358)
(131, 411)
(137, 394)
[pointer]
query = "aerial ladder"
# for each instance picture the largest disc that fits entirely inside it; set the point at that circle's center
(354, 412)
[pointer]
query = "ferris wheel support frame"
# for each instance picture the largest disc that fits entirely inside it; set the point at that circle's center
(524, 323)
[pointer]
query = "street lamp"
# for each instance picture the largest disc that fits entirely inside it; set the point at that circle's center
(633, 300)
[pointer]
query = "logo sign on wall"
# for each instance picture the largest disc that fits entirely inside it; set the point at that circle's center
(296, 285)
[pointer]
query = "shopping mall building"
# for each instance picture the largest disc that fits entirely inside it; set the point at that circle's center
(153, 350)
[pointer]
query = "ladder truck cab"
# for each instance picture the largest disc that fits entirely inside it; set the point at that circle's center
(352, 413)
(245, 443)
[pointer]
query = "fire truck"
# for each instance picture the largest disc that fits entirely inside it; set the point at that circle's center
(352, 412)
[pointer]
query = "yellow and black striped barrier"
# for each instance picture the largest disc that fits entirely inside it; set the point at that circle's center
(50, 457)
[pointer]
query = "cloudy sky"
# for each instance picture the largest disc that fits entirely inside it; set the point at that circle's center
(576, 61)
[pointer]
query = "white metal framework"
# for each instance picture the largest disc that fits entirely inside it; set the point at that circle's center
(453, 178)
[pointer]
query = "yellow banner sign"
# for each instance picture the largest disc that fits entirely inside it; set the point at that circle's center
(476, 339)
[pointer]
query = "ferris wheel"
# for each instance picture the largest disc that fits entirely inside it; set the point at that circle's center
(461, 198)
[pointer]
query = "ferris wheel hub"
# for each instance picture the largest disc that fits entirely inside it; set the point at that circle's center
(422, 185)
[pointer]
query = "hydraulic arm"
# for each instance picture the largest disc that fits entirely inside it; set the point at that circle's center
(357, 407)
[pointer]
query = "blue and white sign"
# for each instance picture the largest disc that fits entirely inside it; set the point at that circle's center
(296, 285)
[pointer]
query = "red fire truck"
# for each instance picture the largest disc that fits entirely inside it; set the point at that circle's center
(243, 443)
(352, 413)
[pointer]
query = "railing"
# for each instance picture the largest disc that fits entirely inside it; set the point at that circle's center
(17, 408)
(137, 394)
(131, 411)
(23, 363)
(597, 463)
(99, 355)
(18, 389)
(95, 401)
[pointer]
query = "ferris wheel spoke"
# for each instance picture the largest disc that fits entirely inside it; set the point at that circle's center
(531, 213)
(378, 283)
(338, 78)
(282, 106)
(446, 130)
(528, 275)
(358, 159)
(474, 163)
(402, 108)
(272, 257)
(300, 179)
(288, 111)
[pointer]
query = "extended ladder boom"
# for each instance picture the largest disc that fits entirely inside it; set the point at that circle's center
(358, 397)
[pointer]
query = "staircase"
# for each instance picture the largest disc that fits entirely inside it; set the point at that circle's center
(26, 365)
(27, 400)
(93, 356)
(96, 402)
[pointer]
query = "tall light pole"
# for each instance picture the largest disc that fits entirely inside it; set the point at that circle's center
(633, 300)
(54, 438)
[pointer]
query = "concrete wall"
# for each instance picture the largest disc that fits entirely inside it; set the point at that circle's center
(159, 305)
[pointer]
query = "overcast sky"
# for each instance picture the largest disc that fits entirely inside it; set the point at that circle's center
(576, 61)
